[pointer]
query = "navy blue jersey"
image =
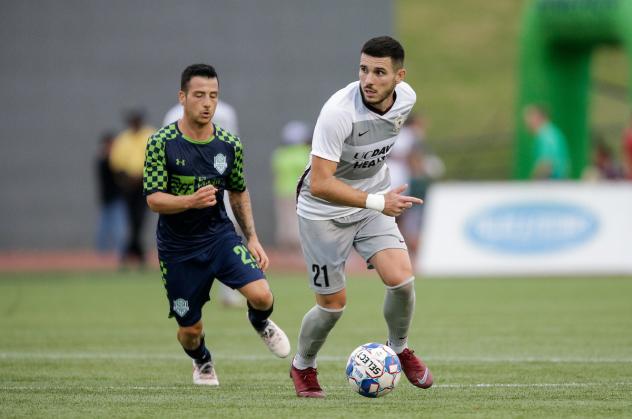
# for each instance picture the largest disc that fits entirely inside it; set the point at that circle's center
(178, 165)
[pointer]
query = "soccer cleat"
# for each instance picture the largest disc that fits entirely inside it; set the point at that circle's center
(204, 374)
(306, 382)
(416, 371)
(275, 339)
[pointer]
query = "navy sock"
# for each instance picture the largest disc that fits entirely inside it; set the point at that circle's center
(259, 318)
(201, 355)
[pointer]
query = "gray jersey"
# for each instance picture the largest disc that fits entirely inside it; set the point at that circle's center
(359, 140)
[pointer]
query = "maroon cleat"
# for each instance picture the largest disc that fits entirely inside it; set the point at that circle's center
(416, 371)
(306, 383)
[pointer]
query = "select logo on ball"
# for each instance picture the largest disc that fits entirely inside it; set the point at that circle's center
(373, 370)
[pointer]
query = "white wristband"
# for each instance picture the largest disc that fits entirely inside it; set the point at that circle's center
(375, 202)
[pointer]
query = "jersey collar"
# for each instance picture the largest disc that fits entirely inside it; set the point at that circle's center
(194, 141)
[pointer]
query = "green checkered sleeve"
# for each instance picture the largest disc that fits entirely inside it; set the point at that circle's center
(236, 179)
(155, 172)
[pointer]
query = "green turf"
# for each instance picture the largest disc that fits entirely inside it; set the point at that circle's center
(84, 345)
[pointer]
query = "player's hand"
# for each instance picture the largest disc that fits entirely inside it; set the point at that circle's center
(395, 203)
(203, 197)
(256, 250)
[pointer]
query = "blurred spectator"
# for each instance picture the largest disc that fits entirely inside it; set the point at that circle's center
(226, 117)
(398, 165)
(604, 165)
(411, 220)
(627, 149)
(423, 168)
(551, 150)
(127, 160)
(288, 163)
(112, 220)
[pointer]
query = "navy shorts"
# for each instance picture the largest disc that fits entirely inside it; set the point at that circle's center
(188, 283)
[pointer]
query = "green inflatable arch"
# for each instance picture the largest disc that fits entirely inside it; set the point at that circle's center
(558, 37)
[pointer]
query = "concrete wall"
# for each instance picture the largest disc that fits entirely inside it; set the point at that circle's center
(70, 68)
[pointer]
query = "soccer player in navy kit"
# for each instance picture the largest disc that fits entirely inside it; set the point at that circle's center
(188, 165)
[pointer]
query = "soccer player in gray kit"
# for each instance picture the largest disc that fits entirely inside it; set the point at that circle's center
(345, 200)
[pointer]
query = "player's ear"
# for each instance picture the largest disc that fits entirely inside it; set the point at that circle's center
(181, 97)
(400, 74)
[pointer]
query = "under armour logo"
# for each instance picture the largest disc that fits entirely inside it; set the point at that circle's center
(180, 162)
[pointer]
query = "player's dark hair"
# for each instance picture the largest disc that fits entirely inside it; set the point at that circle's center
(201, 70)
(385, 46)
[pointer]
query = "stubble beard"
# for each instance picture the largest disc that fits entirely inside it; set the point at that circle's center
(378, 101)
(197, 120)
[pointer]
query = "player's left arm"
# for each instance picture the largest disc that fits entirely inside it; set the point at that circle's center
(242, 209)
(239, 199)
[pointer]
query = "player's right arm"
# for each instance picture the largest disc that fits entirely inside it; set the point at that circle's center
(332, 128)
(155, 183)
(325, 186)
(165, 203)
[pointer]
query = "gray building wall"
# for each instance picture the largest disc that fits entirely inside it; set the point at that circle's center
(70, 68)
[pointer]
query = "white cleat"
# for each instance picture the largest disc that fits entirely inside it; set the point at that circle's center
(275, 339)
(204, 374)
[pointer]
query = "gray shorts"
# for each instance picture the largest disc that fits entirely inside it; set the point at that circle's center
(327, 244)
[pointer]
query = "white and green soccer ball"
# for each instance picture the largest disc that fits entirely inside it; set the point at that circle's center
(373, 370)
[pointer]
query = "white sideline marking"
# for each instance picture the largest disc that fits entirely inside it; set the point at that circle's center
(234, 357)
(531, 385)
(193, 387)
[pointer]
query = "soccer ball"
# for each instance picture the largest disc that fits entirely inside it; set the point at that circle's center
(373, 370)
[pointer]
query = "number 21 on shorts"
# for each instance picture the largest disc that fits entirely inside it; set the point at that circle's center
(317, 270)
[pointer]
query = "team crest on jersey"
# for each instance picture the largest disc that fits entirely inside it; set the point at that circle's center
(180, 307)
(220, 163)
(399, 122)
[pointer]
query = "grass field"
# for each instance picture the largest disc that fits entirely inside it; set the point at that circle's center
(79, 345)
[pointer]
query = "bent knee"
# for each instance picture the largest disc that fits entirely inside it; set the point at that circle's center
(258, 294)
(191, 332)
(397, 276)
(336, 301)
(261, 299)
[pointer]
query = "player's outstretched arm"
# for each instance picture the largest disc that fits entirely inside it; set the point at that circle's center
(164, 203)
(242, 209)
(325, 186)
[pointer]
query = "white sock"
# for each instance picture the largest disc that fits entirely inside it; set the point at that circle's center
(301, 363)
(314, 330)
(399, 307)
(399, 348)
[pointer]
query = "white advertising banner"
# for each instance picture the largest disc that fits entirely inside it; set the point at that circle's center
(520, 228)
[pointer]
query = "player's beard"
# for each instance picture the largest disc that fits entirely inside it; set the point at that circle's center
(198, 120)
(202, 120)
(377, 101)
(386, 96)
